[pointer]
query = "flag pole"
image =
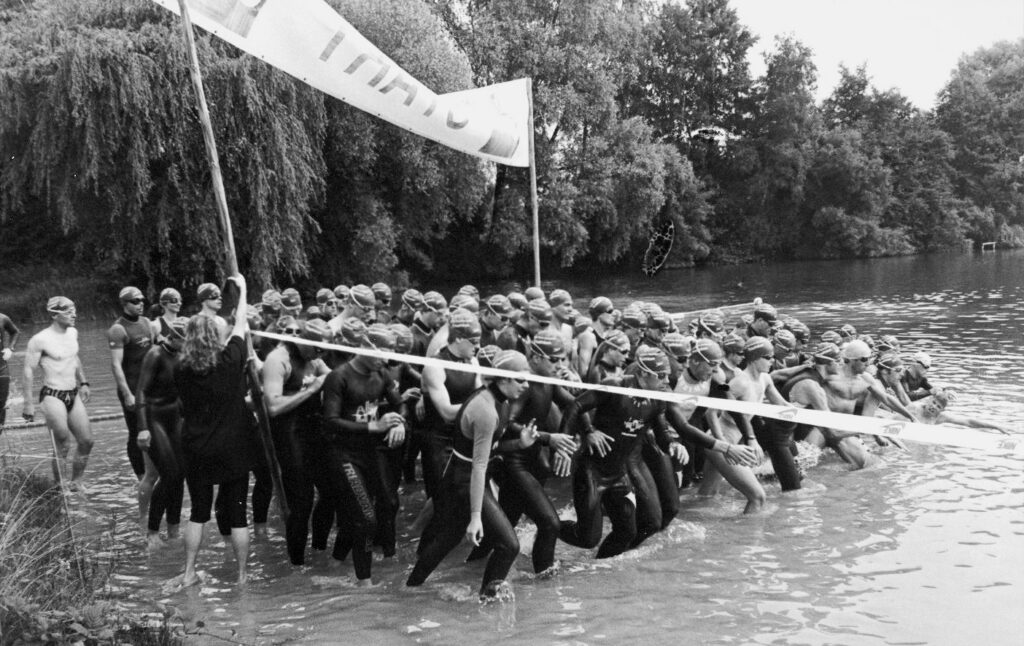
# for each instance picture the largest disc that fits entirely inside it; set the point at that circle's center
(220, 198)
(533, 188)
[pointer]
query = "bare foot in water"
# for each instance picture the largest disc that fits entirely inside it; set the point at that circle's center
(154, 542)
(183, 581)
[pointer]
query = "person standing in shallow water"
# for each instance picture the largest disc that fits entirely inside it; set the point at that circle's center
(217, 441)
(8, 331)
(65, 390)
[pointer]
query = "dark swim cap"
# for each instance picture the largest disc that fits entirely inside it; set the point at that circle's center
(757, 347)
(379, 336)
(548, 343)
(652, 360)
(485, 355)
(353, 331)
(733, 344)
(463, 324)
(362, 297)
(677, 344)
(511, 360)
(413, 299)
(403, 338)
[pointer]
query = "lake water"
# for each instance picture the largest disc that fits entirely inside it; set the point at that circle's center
(924, 547)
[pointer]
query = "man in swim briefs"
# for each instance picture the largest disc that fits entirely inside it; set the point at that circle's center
(65, 390)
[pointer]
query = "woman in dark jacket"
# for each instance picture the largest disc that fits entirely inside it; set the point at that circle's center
(217, 440)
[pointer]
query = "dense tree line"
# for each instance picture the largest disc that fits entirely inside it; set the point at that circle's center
(645, 111)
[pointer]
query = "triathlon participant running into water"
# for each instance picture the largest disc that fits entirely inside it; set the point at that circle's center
(130, 338)
(465, 505)
(65, 389)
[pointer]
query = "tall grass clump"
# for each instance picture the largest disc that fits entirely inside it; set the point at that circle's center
(51, 582)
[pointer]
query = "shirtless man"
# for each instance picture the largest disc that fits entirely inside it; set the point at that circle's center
(932, 410)
(854, 391)
(8, 336)
(65, 389)
(602, 313)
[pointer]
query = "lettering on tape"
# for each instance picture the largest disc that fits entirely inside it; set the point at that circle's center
(788, 413)
(895, 429)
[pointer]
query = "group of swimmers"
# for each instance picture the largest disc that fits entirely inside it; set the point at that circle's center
(347, 427)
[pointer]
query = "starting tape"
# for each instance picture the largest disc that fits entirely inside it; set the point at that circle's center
(903, 430)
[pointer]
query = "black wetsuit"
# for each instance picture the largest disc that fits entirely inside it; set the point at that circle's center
(610, 481)
(482, 417)
(161, 416)
(298, 444)
(8, 332)
(138, 340)
(434, 435)
(351, 401)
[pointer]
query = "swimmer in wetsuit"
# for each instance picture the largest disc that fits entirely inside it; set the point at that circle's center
(65, 389)
(464, 505)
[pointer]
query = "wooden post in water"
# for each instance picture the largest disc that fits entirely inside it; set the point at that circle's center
(533, 189)
(221, 200)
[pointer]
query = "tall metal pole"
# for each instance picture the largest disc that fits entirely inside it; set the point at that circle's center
(232, 259)
(533, 190)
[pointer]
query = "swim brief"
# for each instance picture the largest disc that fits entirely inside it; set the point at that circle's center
(65, 396)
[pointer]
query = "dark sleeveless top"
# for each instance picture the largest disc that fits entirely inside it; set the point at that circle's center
(138, 341)
(464, 445)
(459, 385)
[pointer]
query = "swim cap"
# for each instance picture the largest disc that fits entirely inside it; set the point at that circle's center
(825, 352)
(499, 305)
(710, 325)
(580, 325)
(922, 358)
(757, 347)
(517, 300)
(341, 293)
(799, 330)
(539, 309)
(323, 295)
(381, 291)
(759, 327)
(848, 331)
(207, 292)
(465, 302)
(471, 291)
(463, 324)
(765, 312)
(485, 355)
(600, 305)
(317, 330)
(618, 340)
(403, 338)
(888, 342)
(559, 297)
(413, 299)
(381, 337)
(785, 339)
(677, 344)
(733, 344)
(170, 294)
(362, 297)
(889, 360)
(652, 360)
(633, 317)
(130, 293)
(271, 301)
(831, 336)
(313, 312)
(285, 321)
(290, 299)
(548, 343)
(707, 351)
(511, 360)
(353, 331)
(856, 349)
(659, 321)
(534, 293)
(435, 301)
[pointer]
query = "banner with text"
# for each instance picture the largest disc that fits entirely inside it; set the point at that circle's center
(312, 42)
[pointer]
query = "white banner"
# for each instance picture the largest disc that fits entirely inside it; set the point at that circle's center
(310, 41)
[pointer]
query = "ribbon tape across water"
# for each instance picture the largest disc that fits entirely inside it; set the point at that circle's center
(903, 430)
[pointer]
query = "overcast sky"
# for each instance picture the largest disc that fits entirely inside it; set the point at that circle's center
(911, 45)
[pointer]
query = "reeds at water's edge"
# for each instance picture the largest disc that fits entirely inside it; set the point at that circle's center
(51, 582)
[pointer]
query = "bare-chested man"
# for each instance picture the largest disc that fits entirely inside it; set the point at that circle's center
(65, 389)
(854, 391)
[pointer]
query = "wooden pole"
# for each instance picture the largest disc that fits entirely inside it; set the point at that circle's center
(533, 190)
(255, 390)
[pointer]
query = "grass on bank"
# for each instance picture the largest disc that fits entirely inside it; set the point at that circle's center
(51, 587)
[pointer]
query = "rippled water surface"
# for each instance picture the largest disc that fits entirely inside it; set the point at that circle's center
(925, 547)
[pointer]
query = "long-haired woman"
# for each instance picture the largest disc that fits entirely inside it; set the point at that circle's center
(217, 441)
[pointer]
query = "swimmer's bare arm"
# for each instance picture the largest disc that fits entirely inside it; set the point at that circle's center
(116, 336)
(241, 323)
(738, 389)
(433, 383)
(946, 417)
(145, 379)
(83, 384)
(892, 402)
(33, 355)
(275, 373)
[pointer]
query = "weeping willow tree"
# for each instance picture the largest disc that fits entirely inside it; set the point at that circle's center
(101, 144)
